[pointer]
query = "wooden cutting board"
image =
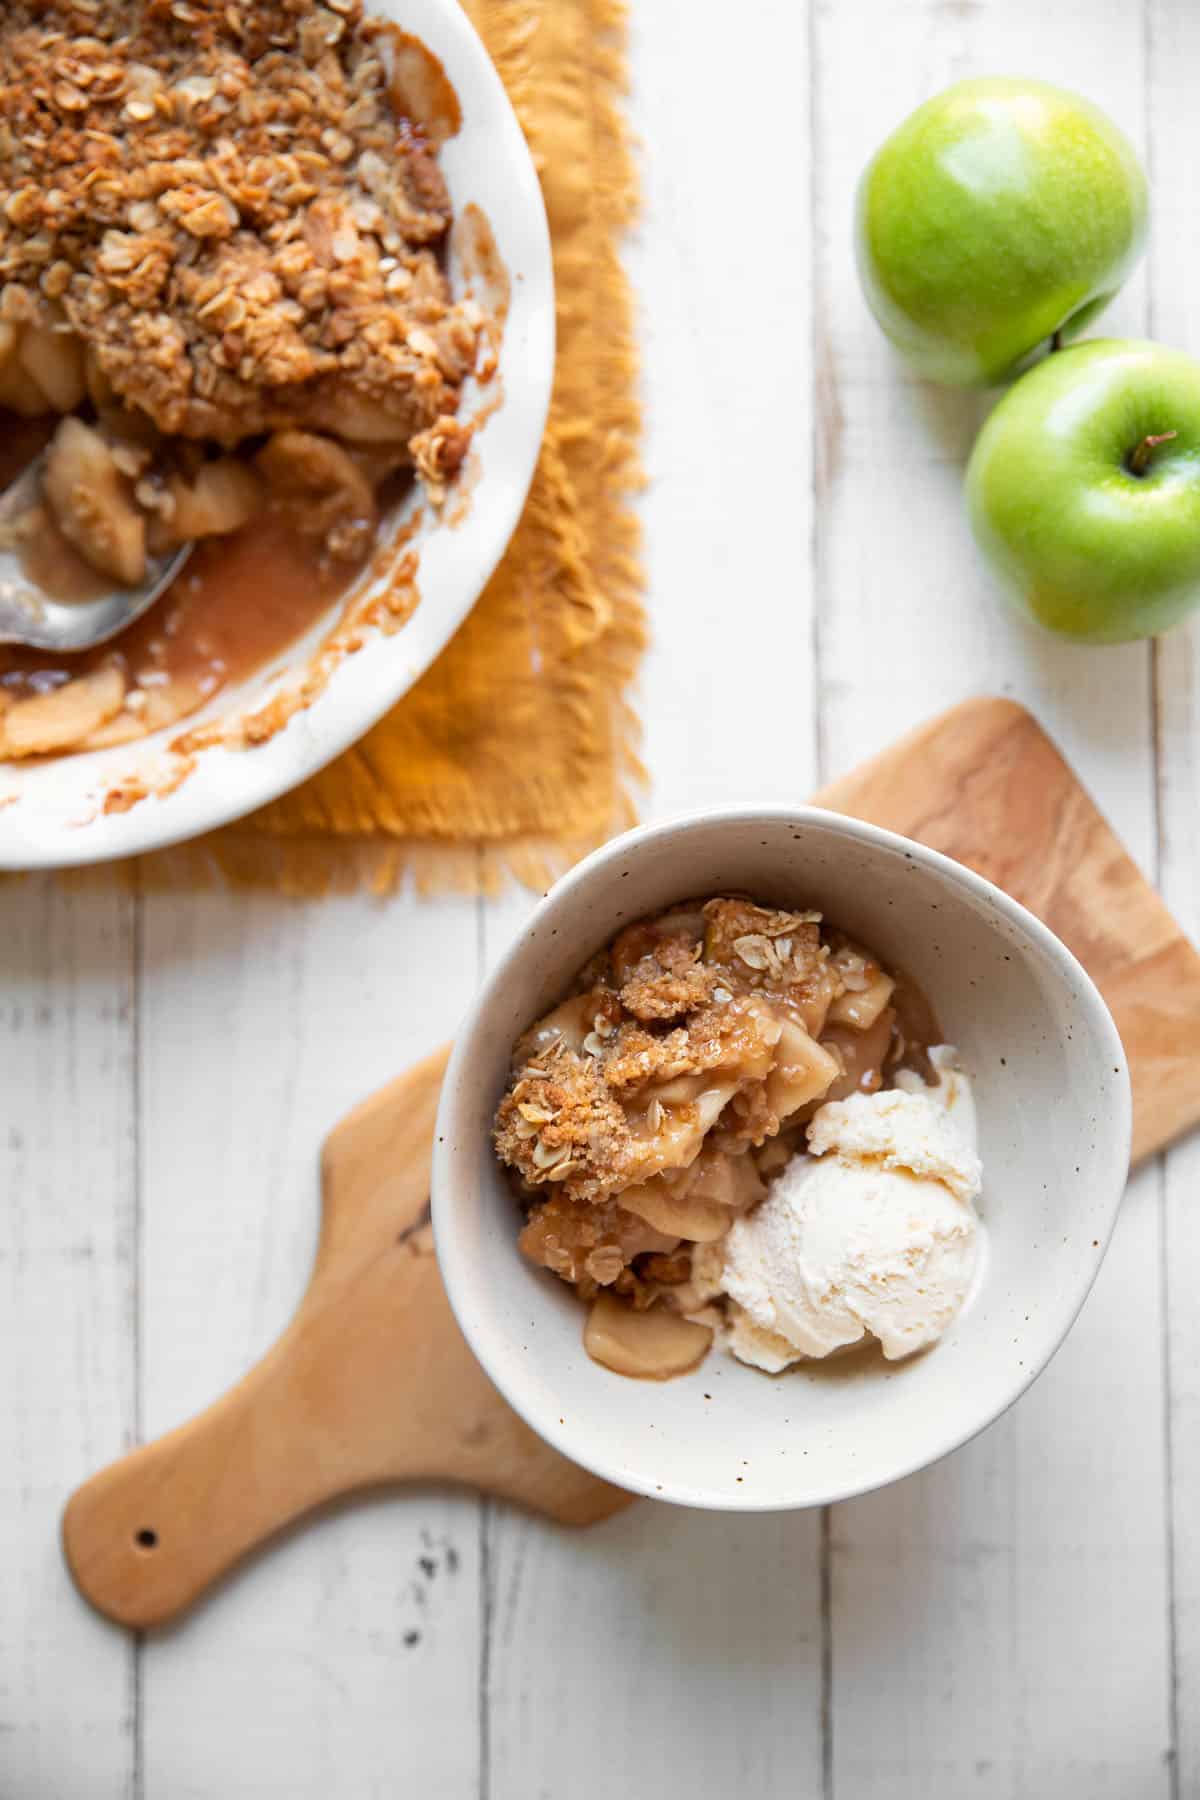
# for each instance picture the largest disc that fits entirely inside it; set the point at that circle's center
(373, 1383)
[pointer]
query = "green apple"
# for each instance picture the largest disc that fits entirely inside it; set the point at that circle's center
(1000, 217)
(1083, 490)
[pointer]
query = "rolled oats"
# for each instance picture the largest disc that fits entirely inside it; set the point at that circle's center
(644, 1142)
(155, 155)
(219, 225)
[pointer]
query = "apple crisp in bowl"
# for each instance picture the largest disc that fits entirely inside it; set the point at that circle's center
(653, 1108)
(732, 1018)
(264, 268)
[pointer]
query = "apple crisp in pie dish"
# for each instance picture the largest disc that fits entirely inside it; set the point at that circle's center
(740, 1126)
(226, 314)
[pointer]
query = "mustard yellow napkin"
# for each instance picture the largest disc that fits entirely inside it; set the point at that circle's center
(516, 749)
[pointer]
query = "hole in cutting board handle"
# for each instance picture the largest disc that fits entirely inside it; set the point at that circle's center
(146, 1539)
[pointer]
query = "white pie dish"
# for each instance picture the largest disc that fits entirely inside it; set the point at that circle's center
(1052, 1090)
(51, 812)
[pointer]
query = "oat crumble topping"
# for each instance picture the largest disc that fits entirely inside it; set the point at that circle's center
(221, 198)
(223, 239)
(652, 1106)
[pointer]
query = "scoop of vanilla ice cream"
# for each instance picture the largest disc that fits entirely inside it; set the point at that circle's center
(953, 1095)
(874, 1231)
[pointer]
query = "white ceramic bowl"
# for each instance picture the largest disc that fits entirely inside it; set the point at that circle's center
(48, 812)
(1054, 1108)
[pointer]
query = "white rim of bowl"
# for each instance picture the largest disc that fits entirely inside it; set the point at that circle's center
(228, 784)
(453, 1264)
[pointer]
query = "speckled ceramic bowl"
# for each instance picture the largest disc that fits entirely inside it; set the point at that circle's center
(1052, 1090)
(52, 811)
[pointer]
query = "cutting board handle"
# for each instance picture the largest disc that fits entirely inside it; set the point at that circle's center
(371, 1383)
(146, 1536)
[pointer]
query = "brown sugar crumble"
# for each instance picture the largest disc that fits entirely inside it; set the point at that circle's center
(225, 313)
(652, 1106)
(679, 1013)
(222, 200)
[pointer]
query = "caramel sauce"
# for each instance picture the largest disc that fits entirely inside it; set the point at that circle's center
(48, 559)
(484, 270)
(420, 90)
(20, 441)
(918, 1023)
(237, 603)
(55, 566)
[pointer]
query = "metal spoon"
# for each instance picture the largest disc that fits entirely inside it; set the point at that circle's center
(29, 615)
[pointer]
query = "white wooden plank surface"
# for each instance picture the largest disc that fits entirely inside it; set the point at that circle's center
(1002, 1625)
(668, 1652)
(354, 1647)
(68, 1332)
(1173, 49)
(727, 378)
